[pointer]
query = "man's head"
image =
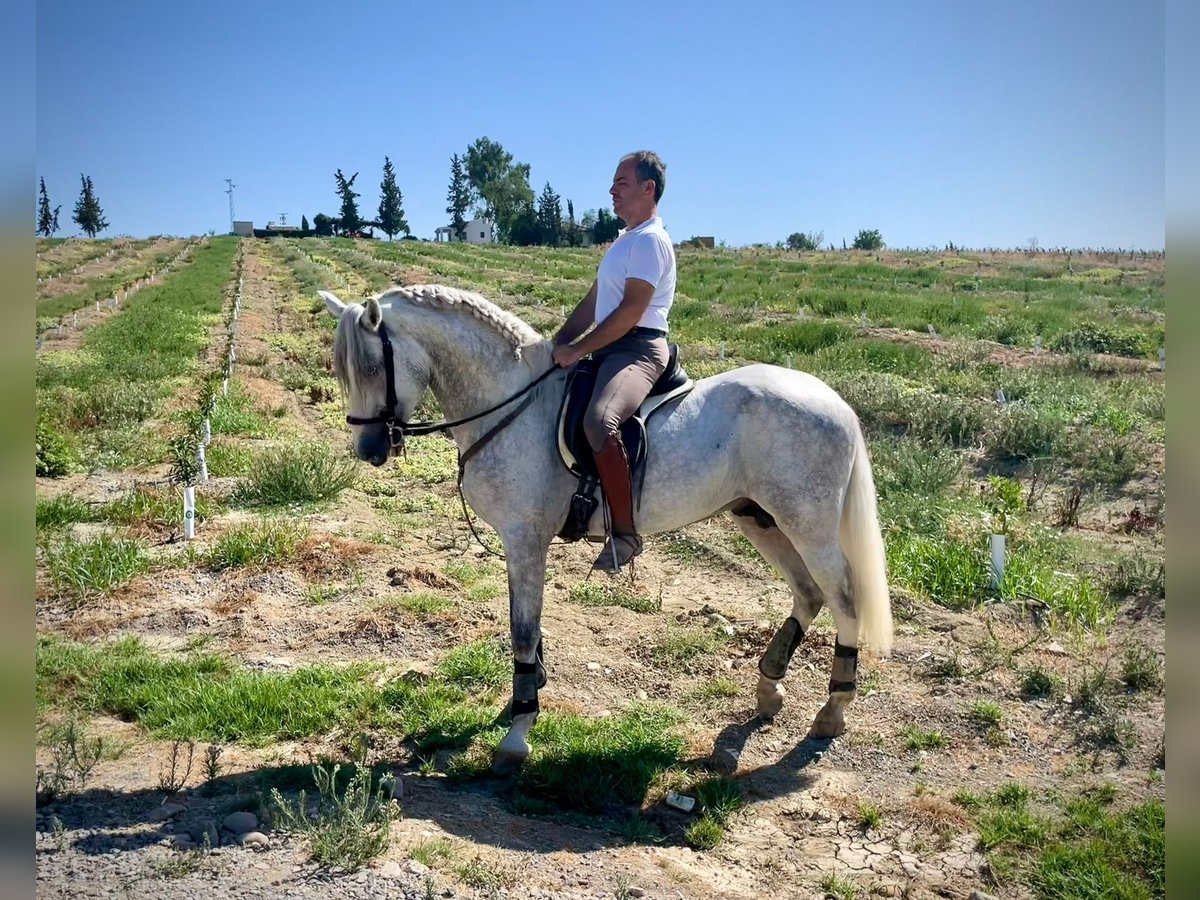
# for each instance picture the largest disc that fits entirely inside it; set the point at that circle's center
(638, 186)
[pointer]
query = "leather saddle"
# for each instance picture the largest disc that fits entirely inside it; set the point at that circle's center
(573, 447)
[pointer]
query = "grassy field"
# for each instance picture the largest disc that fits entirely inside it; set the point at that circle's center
(1013, 743)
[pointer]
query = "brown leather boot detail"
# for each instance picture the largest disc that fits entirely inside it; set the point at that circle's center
(623, 543)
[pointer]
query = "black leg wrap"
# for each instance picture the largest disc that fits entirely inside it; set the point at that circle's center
(845, 669)
(779, 652)
(528, 678)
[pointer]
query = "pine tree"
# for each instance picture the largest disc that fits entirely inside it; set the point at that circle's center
(47, 222)
(549, 217)
(391, 209)
(88, 214)
(572, 233)
(458, 198)
(350, 221)
(304, 224)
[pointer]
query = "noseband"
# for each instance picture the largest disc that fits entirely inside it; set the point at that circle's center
(398, 430)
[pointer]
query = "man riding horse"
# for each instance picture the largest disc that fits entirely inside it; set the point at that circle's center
(628, 303)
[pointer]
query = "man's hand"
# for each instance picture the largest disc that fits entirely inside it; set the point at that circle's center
(566, 356)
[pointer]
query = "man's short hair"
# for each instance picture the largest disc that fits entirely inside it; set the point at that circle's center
(650, 167)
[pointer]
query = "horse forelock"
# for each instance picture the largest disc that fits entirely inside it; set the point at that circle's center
(352, 354)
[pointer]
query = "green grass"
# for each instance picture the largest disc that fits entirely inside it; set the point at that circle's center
(256, 544)
(1140, 669)
(1090, 850)
(201, 696)
(61, 512)
(985, 713)
(679, 647)
(82, 569)
(599, 594)
(917, 738)
(720, 687)
(295, 474)
(481, 665)
(419, 603)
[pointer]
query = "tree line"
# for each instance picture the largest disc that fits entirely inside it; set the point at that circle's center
(866, 239)
(88, 215)
(487, 182)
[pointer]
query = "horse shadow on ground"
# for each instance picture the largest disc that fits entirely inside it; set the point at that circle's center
(501, 811)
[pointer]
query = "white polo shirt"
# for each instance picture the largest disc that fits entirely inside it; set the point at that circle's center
(646, 253)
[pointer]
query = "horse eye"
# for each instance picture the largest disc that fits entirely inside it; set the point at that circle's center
(372, 371)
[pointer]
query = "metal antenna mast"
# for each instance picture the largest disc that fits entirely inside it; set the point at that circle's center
(229, 191)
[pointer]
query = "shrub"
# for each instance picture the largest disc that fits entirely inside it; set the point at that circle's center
(54, 453)
(1021, 431)
(1105, 339)
(352, 826)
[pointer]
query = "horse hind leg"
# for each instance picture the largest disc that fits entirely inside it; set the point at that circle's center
(807, 600)
(829, 569)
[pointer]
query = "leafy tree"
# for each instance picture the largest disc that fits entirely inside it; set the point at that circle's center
(572, 232)
(501, 185)
(549, 217)
(606, 228)
(47, 222)
(323, 225)
(349, 221)
(304, 224)
(805, 240)
(88, 214)
(588, 222)
(524, 229)
(458, 198)
(391, 209)
(868, 240)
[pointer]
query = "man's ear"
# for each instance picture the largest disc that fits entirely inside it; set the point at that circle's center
(335, 306)
(372, 315)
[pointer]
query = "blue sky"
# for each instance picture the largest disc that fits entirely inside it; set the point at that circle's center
(982, 124)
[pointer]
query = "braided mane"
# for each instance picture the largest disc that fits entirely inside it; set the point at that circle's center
(440, 296)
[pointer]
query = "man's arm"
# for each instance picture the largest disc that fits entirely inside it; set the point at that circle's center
(633, 306)
(580, 320)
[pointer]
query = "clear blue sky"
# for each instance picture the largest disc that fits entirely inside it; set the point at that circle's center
(983, 124)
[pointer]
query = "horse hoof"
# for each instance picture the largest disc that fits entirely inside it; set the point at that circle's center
(770, 698)
(828, 725)
(507, 763)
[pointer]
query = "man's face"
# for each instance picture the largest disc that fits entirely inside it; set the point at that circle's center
(630, 199)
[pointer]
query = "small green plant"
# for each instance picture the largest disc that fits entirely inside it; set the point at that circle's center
(1037, 682)
(678, 647)
(968, 799)
(985, 713)
(704, 834)
(1004, 497)
(836, 887)
(869, 815)
(1140, 669)
(351, 826)
(187, 862)
(917, 738)
(433, 852)
(185, 467)
(1012, 795)
(177, 769)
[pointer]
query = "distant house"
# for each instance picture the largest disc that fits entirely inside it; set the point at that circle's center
(243, 229)
(479, 231)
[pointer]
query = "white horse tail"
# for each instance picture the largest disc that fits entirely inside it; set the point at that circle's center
(862, 543)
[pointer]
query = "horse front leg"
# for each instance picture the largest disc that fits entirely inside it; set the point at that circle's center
(526, 582)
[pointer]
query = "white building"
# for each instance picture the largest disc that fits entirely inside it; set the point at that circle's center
(479, 231)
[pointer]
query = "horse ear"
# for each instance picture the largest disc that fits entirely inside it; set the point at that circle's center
(335, 306)
(372, 315)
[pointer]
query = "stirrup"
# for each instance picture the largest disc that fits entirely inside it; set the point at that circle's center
(619, 550)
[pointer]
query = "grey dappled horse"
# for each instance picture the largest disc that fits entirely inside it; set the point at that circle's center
(777, 447)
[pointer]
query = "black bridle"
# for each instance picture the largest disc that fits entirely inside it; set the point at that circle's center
(398, 430)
